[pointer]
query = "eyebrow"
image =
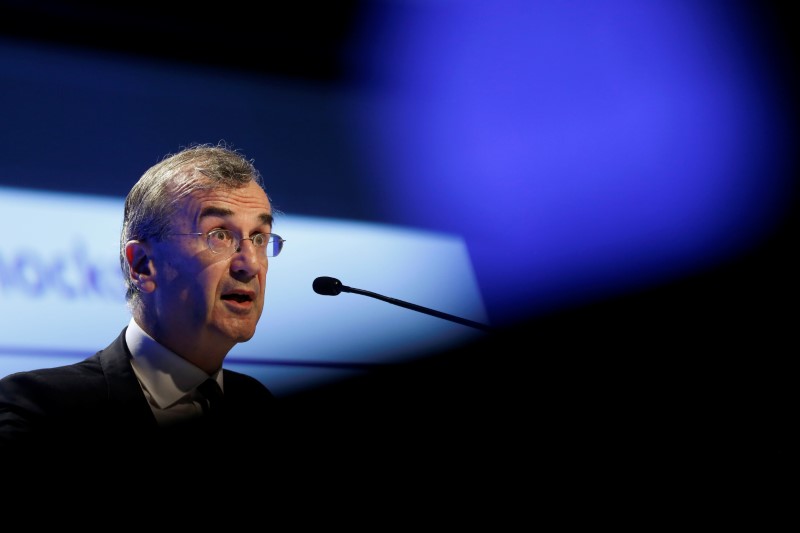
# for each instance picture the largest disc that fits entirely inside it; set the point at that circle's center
(222, 212)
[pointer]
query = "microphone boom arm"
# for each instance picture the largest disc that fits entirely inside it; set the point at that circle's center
(419, 308)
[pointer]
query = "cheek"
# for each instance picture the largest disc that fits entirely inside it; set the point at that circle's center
(210, 279)
(176, 263)
(169, 273)
(201, 282)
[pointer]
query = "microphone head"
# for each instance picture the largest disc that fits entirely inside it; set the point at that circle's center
(327, 286)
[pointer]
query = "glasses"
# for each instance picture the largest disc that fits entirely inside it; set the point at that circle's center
(223, 241)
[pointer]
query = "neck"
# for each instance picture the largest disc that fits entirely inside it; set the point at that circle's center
(206, 354)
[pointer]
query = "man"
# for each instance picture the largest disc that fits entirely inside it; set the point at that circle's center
(195, 246)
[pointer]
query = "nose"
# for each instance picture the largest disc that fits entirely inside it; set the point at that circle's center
(247, 259)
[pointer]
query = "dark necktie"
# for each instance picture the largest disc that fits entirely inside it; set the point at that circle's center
(212, 399)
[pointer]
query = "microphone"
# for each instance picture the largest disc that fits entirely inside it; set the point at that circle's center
(328, 286)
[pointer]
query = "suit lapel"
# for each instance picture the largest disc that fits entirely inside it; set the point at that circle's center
(125, 393)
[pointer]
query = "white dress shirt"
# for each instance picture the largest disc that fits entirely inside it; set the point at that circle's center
(168, 380)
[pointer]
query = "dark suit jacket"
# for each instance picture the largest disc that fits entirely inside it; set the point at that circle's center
(96, 406)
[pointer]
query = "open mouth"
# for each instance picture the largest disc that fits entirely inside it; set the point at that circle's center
(240, 298)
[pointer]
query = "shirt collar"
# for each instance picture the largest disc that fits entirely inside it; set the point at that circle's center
(164, 374)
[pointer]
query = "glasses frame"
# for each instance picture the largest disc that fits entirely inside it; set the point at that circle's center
(237, 241)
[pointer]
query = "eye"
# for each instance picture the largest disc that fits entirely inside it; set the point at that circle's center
(260, 239)
(221, 235)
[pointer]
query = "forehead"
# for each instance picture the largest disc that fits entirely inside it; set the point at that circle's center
(248, 202)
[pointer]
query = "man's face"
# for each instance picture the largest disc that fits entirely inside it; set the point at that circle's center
(204, 301)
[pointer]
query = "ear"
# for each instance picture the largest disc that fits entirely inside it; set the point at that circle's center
(141, 266)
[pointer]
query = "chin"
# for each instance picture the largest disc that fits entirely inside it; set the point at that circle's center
(245, 336)
(237, 334)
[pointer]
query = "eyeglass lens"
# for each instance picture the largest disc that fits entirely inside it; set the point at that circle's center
(224, 241)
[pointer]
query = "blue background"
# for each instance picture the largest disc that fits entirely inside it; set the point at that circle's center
(622, 172)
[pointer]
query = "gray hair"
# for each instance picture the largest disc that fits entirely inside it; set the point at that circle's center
(153, 201)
